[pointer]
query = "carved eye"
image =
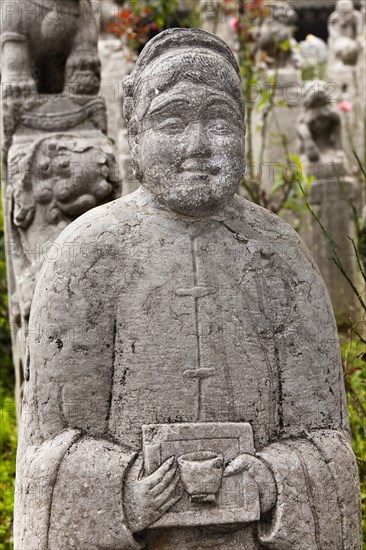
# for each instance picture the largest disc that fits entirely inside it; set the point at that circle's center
(221, 128)
(44, 166)
(172, 126)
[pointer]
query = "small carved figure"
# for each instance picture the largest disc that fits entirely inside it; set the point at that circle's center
(275, 37)
(319, 126)
(344, 26)
(199, 402)
(49, 46)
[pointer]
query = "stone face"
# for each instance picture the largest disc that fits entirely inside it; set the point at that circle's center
(333, 192)
(197, 323)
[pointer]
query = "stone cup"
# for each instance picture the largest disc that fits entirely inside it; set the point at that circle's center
(201, 475)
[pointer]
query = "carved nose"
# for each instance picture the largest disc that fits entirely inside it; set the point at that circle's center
(198, 144)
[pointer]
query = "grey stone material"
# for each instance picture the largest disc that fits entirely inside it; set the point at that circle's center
(214, 19)
(333, 192)
(346, 44)
(194, 314)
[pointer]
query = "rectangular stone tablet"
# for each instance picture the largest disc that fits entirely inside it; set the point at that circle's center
(238, 498)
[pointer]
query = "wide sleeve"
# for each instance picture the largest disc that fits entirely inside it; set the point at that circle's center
(70, 471)
(318, 504)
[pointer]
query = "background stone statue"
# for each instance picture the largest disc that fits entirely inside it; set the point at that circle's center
(60, 178)
(275, 38)
(49, 47)
(345, 27)
(185, 382)
(319, 126)
(333, 193)
(278, 55)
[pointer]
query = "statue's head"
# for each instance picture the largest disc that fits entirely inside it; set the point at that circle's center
(282, 12)
(316, 94)
(184, 107)
(345, 6)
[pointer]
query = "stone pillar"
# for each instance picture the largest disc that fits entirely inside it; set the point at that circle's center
(330, 196)
(117, 62)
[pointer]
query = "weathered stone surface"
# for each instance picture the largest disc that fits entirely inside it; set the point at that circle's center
(49, 47)
(193, 311)
(333, 193)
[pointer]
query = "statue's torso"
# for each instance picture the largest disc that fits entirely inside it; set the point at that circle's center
(197, 313)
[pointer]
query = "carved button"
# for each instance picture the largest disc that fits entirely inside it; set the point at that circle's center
(196, 291)
(199, 373)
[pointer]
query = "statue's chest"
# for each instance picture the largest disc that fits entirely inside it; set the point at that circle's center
(54, 26)
(196, 315)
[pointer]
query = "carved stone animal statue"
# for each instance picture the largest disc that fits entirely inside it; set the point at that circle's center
(62, 177)
(49, 47)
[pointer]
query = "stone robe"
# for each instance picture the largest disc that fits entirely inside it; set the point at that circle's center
(149, 317)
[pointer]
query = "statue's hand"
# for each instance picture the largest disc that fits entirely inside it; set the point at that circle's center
(150, 497)
(261, 474)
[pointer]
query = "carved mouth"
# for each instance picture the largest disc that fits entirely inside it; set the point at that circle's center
(199, 169)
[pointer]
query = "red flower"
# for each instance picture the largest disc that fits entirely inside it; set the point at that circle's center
(345, 106)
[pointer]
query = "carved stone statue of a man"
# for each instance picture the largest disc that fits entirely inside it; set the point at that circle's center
(185, 383)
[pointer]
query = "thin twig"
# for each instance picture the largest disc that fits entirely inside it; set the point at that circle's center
(359, 263)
